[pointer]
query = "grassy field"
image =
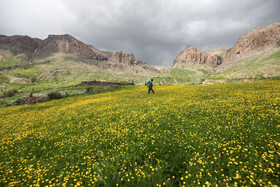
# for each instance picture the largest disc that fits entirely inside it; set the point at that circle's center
(225, 134)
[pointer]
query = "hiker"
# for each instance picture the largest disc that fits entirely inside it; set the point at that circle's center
(150, 86)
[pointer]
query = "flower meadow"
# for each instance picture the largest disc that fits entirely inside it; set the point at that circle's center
(208, 135)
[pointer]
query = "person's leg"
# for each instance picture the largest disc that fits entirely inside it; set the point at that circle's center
(149, 91)
(152, 90)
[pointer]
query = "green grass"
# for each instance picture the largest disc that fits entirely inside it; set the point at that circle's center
(9, 63)
(224, 134)
(43, 90)
(26, 72)
(179, 76)
(3, 78)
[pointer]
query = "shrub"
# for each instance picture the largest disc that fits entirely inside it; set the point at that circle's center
(89, 89)
(33, 79)
(67, 94)
(54, 95)
(10, 93)
(17, 102)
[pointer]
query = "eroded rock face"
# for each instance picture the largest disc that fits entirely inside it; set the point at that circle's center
(123, 57)
(70, 45)
(52, 44)
(255, 40)
(195, 56)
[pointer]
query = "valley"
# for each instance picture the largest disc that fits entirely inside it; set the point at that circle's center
(61, 61)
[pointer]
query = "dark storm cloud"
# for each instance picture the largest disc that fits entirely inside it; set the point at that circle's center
(154, 31)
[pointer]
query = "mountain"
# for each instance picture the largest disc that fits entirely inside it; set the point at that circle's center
(53, 44)
(256, 50)
(66, 44)
(64, 58)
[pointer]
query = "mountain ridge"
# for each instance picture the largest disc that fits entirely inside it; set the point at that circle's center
(34, 48)
(256, 40)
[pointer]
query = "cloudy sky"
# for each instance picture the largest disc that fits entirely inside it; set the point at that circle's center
(155, 31)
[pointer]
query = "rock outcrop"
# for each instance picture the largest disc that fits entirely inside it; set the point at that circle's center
(123, 57)
(193, 55)
(69, 45)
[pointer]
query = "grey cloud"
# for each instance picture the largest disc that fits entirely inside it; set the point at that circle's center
(154, 31)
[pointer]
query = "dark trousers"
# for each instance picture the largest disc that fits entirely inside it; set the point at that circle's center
(150, 88)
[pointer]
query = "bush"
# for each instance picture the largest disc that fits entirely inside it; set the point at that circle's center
(89, 90)
(10, 93)
(54, 95)
(67, 94)
(33, 79)
(17, 102)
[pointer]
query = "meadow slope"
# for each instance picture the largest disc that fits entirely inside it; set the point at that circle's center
(182, 135)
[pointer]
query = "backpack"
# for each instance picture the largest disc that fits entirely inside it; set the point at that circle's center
(148, 83)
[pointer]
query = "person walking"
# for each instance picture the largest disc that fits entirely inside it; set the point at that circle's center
(150, 86)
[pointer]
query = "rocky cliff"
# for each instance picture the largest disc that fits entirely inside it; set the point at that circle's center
(254, 41)
(53, 44)
(69, 45)
(123, 57)
(249, 44)
(193, 55)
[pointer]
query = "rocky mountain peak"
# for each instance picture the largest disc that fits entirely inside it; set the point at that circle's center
(68, 44)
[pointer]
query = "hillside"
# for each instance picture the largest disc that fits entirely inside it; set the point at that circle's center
(256, 50)
(261, 66)
(265, 65)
